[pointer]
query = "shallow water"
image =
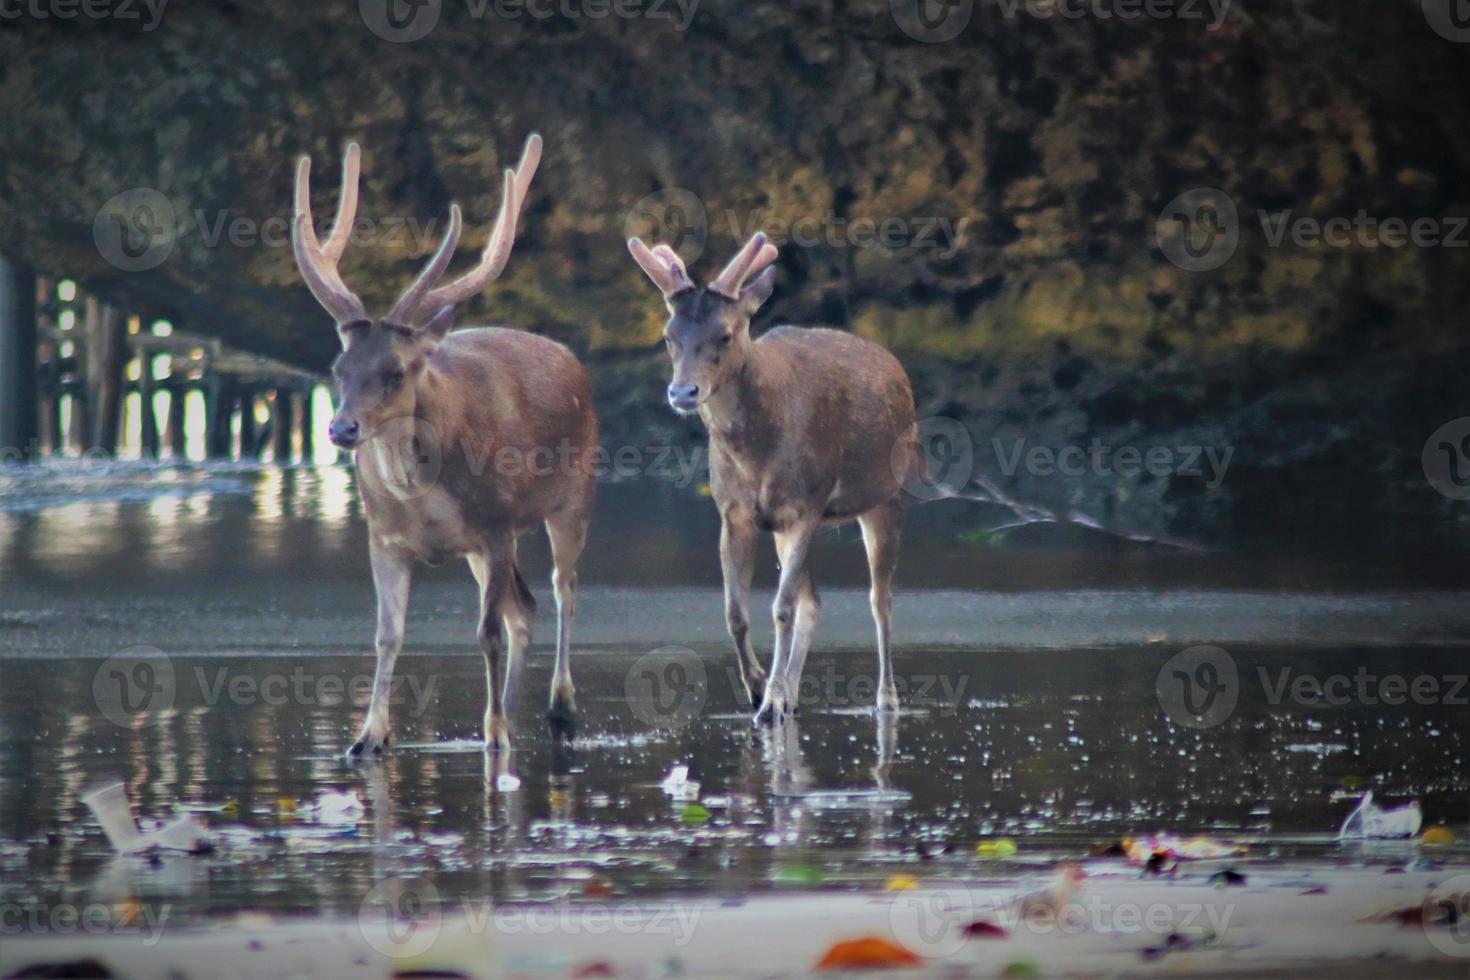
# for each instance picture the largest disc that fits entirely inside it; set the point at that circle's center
(1032, 672)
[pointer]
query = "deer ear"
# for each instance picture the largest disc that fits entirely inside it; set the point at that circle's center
(439, 325)
(755, 293)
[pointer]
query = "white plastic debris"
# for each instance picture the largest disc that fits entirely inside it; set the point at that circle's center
(110, 805)
(1370, 821)
(678, 785)
(336, 809)
(507, 782)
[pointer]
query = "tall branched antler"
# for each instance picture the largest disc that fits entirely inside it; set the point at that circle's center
(318, 263)
(502, 238)
(422, 300)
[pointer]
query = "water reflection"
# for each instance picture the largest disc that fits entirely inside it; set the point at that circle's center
(1060, 761)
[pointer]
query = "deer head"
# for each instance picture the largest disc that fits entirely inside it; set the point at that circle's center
(381, 361)
(708, 333)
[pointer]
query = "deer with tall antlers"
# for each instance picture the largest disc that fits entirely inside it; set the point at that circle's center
(464, 441)
(808, 428)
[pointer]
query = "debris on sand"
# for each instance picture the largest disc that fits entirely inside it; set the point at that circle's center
(867, 953)
(334, 809)
(1142, 850)
(114, 811)
(678, 785)
(1373, 822)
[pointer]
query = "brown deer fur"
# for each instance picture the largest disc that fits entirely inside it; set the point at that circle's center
(464, 441)
(808, 428)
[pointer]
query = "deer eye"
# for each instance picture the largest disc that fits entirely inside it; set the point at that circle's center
(392, 379)
(725, 340)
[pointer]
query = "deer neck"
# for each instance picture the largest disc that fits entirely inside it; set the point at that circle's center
(739, 410)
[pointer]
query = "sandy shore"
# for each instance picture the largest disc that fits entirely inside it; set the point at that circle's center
(1282, 921)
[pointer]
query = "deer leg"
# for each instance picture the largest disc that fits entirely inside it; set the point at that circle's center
(737, 562)
(391, 576)
(808, 611)
(792, 546)
(882, 527)
(496, 574)
(568, 534)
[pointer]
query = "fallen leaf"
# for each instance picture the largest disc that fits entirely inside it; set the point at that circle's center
(903, 883)
(799, 874)
(980, 929)
(867, 953)
(1438, 835)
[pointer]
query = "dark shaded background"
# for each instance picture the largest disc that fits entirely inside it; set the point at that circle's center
(1055, 317)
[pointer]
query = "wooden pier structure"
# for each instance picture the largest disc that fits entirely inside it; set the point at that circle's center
(69, 362)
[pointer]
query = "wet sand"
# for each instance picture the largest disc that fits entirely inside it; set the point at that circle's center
(1036, 678)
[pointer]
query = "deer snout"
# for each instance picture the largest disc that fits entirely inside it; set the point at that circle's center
(684, 398)
(344, 433)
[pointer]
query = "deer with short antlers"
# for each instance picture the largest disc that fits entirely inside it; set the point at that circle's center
(807, 428)
(447, 428)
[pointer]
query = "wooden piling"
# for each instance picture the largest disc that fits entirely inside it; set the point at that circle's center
(220, 409)
(177, 438)
(19, 420)
(283, 424)
(306, 419)
(107, 340)
(249, 447)
(148, 424)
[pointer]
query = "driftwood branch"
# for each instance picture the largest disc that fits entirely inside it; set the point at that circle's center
(982, 490)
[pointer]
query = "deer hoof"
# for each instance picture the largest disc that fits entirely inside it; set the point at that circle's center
(755, 689)
(368, 746)
(562, 717)
(774, 710)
